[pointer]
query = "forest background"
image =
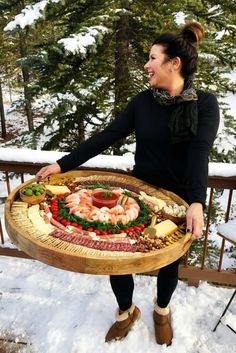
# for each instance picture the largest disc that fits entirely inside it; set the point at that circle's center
(75, 64)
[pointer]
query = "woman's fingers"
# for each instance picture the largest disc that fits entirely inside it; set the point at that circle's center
(197, 231)
(45, 172)
(195, 220)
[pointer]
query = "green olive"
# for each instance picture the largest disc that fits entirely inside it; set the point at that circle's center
(28, 192)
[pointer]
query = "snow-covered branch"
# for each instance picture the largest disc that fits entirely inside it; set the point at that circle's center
(29, 15)
(79, 43)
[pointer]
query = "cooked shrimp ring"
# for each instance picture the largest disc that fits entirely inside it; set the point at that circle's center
(81, 205)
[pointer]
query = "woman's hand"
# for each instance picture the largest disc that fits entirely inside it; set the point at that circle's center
(195, 220)
(50, 169)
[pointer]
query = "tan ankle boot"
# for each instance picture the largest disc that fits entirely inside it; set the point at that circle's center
(124, 322)
(163, 329)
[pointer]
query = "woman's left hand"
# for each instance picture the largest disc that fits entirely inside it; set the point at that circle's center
(195, 220)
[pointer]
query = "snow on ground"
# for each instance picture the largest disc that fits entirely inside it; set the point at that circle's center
(64, 312)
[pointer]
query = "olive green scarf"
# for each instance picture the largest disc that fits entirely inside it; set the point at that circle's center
(184, 117)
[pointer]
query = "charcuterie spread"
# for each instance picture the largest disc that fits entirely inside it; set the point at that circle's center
(103, 215)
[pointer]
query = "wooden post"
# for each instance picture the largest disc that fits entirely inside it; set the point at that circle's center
(1, 232)
(207, 228)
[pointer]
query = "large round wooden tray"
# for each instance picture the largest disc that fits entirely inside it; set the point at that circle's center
(80, 259)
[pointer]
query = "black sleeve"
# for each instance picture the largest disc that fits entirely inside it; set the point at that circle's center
(119, 128)
(200, 146)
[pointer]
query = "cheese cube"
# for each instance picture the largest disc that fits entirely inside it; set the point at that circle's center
(57, 189)
(161, 229)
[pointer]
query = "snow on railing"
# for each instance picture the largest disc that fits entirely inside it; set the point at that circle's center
(22, 155)
(124, 162)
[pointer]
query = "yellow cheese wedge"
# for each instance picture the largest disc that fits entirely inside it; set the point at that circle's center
(161, 229)
(57, 189)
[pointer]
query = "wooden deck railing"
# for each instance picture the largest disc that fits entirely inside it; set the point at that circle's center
(193, 274)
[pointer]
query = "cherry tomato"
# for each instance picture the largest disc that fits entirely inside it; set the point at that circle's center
(90, 229)
(142, 226)
(104, 232)
(97, 231)
(58, 219)
(79, 226)
(131, 229)
(122, 231)
(137, 228)
(54, 215)
(65, 222)
(74, 224)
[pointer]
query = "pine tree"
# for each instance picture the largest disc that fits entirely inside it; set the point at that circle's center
(7, 57)
(7, 8)
(90, 84)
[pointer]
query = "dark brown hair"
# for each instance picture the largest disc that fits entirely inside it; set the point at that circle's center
(183, 45)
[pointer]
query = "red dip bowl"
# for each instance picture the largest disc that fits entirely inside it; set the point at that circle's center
(104, 198)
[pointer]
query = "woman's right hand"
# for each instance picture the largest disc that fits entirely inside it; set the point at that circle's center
(50, 169)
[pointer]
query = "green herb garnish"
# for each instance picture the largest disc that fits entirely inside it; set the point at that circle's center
(106, 194)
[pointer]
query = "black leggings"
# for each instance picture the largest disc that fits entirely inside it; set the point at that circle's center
(123, 286)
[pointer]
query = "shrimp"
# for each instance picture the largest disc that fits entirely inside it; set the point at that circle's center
(118, 209)
(113, 218)
(82, 212)
(71, 204)
(73, 197)
(80, 204)
(94, 214)
(132, 213)
(103, 217)
(124, 218)
(85, 194)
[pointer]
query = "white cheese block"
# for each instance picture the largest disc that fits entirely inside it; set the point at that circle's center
(57, 189)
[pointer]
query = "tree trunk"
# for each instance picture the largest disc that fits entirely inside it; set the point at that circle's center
(25, 74)
(26, 77)
(3, 122)
(122, 76)
(81, 127)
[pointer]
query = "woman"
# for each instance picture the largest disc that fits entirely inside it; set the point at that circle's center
(175, 127)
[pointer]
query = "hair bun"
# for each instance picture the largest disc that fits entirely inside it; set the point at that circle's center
(193, 32)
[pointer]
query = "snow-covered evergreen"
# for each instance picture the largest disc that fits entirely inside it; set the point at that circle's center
(84, 58)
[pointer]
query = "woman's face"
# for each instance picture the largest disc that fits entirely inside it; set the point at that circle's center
(158, 67)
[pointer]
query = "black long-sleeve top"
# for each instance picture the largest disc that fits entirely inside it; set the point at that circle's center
(180, 167)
